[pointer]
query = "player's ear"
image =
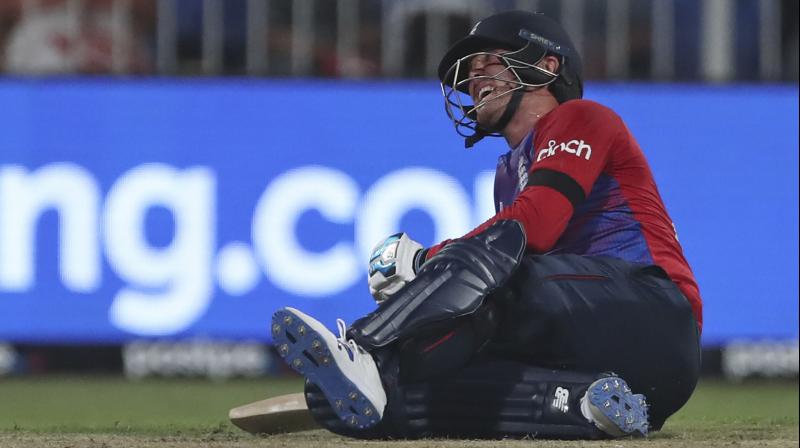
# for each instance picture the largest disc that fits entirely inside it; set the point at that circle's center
(550, 63)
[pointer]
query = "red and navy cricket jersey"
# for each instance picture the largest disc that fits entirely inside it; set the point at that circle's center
(580, 184)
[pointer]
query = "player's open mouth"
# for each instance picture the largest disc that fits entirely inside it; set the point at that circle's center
(484, 92)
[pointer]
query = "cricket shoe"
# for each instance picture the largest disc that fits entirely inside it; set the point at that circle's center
(614, 409)
(346, 374)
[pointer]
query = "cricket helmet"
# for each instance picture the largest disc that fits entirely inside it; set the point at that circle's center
(527, 38)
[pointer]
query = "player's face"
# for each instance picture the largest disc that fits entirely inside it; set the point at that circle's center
(490, 79)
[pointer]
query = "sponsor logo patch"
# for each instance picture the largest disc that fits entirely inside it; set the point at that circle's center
(561, 399)
(577, 147)
(522, 173)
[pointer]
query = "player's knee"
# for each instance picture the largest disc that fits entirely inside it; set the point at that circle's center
(443, 349)
(452, 284)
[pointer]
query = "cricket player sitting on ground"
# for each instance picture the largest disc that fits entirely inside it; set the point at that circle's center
(572, 313)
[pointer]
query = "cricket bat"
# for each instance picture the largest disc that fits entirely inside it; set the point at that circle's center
(278, 415)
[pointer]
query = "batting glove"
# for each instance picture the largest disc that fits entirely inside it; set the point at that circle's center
(393, 263)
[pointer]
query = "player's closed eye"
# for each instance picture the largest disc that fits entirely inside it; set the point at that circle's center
(482, 68)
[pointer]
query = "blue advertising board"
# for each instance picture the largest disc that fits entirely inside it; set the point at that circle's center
(137, 209)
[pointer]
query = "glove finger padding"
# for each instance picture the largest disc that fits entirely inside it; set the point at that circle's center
(392, 265)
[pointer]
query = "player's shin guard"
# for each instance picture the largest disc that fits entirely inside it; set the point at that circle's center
(496, 399)
(452, 284)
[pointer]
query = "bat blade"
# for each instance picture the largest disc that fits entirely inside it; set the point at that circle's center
(278, 415)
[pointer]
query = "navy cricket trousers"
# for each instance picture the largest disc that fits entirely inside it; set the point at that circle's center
(599, 314)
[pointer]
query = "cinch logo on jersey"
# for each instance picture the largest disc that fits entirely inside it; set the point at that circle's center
(577, 147)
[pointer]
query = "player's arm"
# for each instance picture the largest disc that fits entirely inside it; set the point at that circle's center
(559, 180)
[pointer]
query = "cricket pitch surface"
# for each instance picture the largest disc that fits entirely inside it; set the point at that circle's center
(111, 412)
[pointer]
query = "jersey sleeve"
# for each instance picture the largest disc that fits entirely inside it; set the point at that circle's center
(571, 148)
(576, 147)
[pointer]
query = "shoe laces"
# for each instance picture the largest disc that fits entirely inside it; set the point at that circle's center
(350, 345)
